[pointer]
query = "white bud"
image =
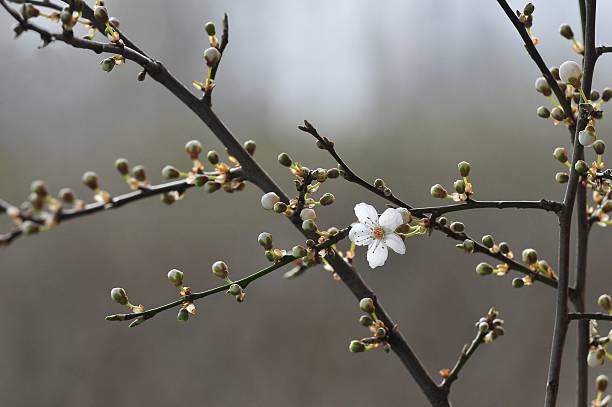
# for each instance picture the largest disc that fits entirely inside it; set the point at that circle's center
(586, 138)
(268, 200)
(570, 71)
(406, 216)
(212, 56)
(308, 214)
(595, 357)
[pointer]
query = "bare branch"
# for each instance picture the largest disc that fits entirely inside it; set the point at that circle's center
(582, 316)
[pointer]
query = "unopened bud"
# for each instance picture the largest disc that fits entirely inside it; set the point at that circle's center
(366, 320)
(280, 207)
(566, 31)
(101, 14)
(600, 147)
(605, 302)
(581, 167)
(29, 11)
(367, 305)
(464, 168)
(557, 113)
(560, 155)
(528, 9)
(298, 252)
(90, 179)
(379, 183)
(234, 289)
(561, 177)
(170, 172)
(220, 269)
(183, 315)
(459, 186)
(570, 72)
(308, 213)
(594, 96)
(119, 296)
(67, 195)
(530, 256)
(357, 347)
(139, 173)
(484, 269)
(606, 94)
(602, 383)
(209, 27)
(268, 200)
(333, 173)
(327, 199)
(517, 282)
(487, 241)
(457, 227)
(543, 112)
(212, 56)
(193, 149)
(285, 160)
(438, 191)
(107, 64)
(586, 137)
(39, 188)
(122, 165)
(542, 86)
(213, 157)
(265, 240)
(175, 277)
(250, 146)
(309, 225)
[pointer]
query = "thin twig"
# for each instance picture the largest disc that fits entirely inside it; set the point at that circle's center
(587, 316)
(464, 356)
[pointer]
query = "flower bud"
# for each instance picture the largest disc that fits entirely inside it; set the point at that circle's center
(606, 94)
(114, 21)
(170, 172)
(29, 227)
(213, 157)
(561, 177)
(600, 147)
(529, 9)
(442, 220)
(333, 173)
(406, 215)
(542, 86)
(487, 241)
(560, 155)
(265, 240)
(543, 112)
(209, 27)
(438, 191)
(308, 213)
(467, 245)
(517, 282)
(367, 305)
(90, 179)
(101, 14)
(464, 168)
(586, 137)
(119, 296)
(594, 96)
(234, 289)
(570, 72)
(459, 186)
(107, 64)
(121, 164)
(504, 248)
(581, 167)
(200, 180)
(176, 277)
(220, 269)
(250, 146)
(483, 326)
(605, 302)
(457, 227)
(280, 207)
(39, 188)
(212, 186)
(139, 173)
(29, 11)
(168, 198)
(484, 269)
(285, 160)
(327, 199)
(183, 315)
(379, 183)
(67, 195)
(596, 357)
(193, 149)
(530, 256)
(602, 383)
(212, 56)
(557, 113)
(566, 31)
(268, 200)
(309, 225)
(554, 71)
(357, 347)
(298, 252)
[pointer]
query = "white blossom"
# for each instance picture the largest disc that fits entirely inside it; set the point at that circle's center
(377, 233)
(308, 214)
(570, 71)
(268, 200)
(586, 138)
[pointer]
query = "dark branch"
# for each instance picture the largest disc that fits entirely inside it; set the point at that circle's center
(581, 316)
(464, 356)
(603, 50)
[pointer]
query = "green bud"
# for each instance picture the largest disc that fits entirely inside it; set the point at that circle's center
(183, 315)
(212, 186)
(605, 302)
(367, 305)
(602, 383)
(484, 269)
(566, 31)
(366, 320)
(176, 277)
(459, 186)
(488, 241)
(170, 172)
(327, 199)
(220, 269)
(606, 94)
(517, 282)
(90, 179)
(529, 9)
(39, 188)
(333, 173)
(457, 227)
(464, 168)
(209, 27)
(280, 207)
(483, 326)
(599, 146)
(168, 198)
(213, 157)
(29, 11)
(250, 146)
(594, 96)
(309, 225)
(530, 256)
(379, 183)
(193, 149)
(560, 155)
(265, 240)
(122, 165)
(139, 173)
(320, 175)
(107, 64)
(119, 296)
(561, 177)
(200, 180)
(581, 167)
(438, 191)
(468, 245)
(67, 195)
(270, 255)
(101, 14)
(542, 86)
(30, 228)
(357, 347)
(543, 112)
(557, 113)
(285, 160)
(234, 289)
(298, 252)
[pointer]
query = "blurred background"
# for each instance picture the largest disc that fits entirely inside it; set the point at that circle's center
(406, 89)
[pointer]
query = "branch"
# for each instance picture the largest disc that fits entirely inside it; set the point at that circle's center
(581, 316)
(464, 356)
(243, 283)
(436, 211)
(603, 50)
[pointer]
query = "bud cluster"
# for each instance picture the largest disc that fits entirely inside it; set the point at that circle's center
(462, 187)
(490, 327)
(379, 332)
(598, 344)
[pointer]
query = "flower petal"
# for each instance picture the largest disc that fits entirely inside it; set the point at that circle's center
(395, 243)
(377, 253)
(360, 234)
(390, 219)
(366, 214)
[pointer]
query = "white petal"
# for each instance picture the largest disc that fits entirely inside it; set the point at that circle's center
(395, 242)
(390, 219)
(377, 253)
(366, 214)
(360, 234)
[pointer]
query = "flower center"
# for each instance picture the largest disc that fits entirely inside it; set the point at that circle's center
(378, 233)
